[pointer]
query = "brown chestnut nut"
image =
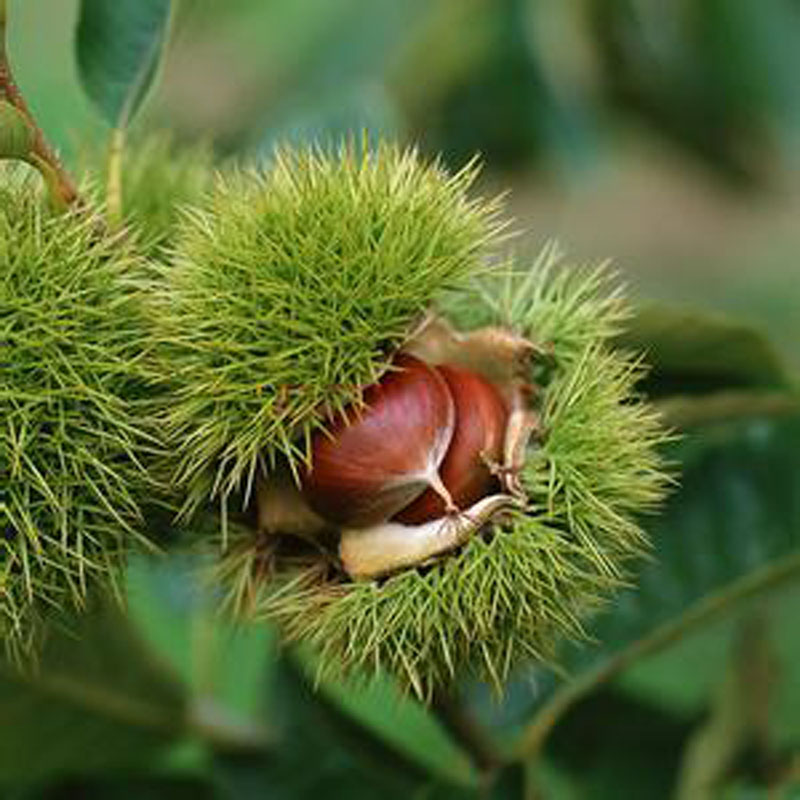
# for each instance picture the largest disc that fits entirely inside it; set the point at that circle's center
(477, 444)
(373, 461)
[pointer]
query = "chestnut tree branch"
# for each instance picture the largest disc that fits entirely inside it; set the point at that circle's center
(114, 182)
(466, 732)
(61, 186)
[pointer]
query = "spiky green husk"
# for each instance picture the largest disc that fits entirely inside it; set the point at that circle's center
(508, 596)
(70, 443)
(288, 292)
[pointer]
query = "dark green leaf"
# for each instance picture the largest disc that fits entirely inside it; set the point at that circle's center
(119, 47)
(125, 787)
(510, 784)
(96, 701)
(410, 727)
(683, 678)
(694, 353)
(730, 532)
(310, 721)
(323, 751)
(594, 742)
(177, 615)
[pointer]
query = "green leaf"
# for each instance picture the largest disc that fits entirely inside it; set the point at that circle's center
(321, 750)
(95, 701)
(510, 784)
(737, 721)
(119, 48)
(238, 668)
(310, 721)
(175, 613)
(592, 746)
(410, 727)
(683, 678)
(696, 353)
(124, 787)
(732, 531)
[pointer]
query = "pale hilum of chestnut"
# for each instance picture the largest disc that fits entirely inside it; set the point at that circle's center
(430, 455)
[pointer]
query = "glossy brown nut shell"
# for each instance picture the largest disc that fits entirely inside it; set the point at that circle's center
(373, 461)
(478, 440)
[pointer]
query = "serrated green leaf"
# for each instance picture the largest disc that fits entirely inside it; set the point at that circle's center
(696, 353)
(732, 531)
(96, 700)
(119, 47)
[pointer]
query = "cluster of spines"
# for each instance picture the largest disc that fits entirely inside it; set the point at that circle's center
(509, 595)
(286, 292)
(72, 443)
(289, 290)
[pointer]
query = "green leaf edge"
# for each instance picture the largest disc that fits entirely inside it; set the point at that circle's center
(144, 79)
(711, 607)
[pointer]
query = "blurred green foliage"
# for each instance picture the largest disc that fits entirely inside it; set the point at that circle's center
(517, 80)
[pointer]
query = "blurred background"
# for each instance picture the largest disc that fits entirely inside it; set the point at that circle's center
(665, 136)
